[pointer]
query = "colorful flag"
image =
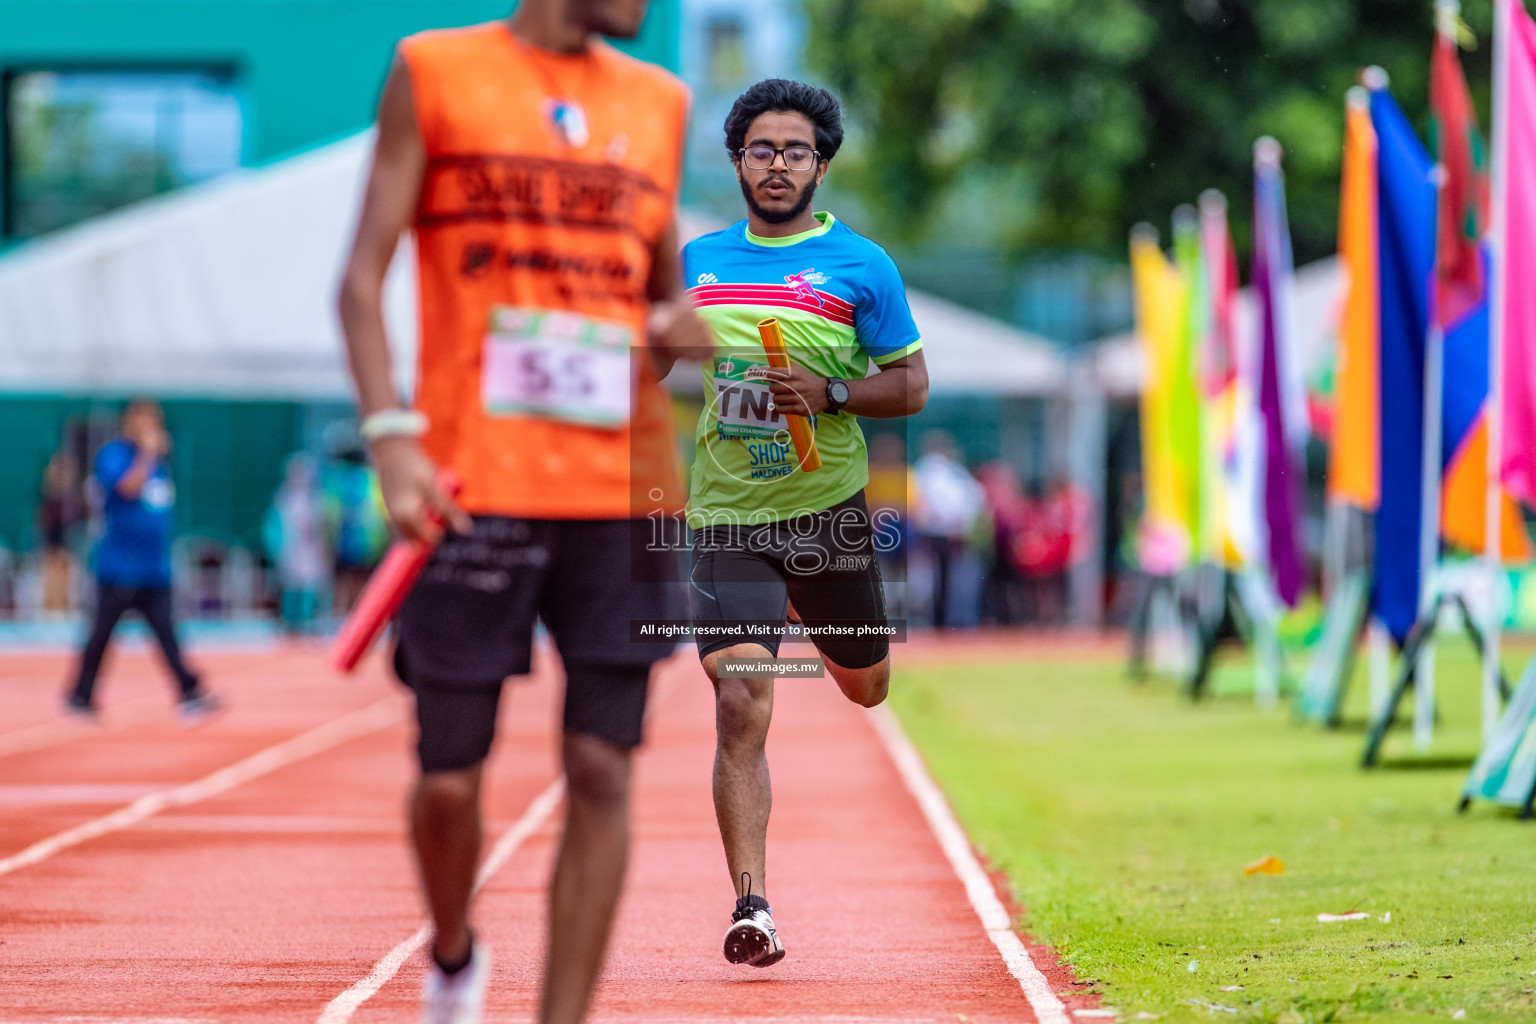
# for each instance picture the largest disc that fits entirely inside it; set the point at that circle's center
(1407, 198)
(1354, 472)
(1187, 426)
(1219, 353)
(1166, 539)
(1458, 146)
(1461, 305)
(1281, 390)
(1518, 251)
(1227, 428)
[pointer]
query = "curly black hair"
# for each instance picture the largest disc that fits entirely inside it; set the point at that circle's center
(818, 105)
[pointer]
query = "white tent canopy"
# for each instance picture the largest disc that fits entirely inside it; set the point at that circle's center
(226, 289)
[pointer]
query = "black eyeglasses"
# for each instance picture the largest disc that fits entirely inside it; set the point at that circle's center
(796, 158)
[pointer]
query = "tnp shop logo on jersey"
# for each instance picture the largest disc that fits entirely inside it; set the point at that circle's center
(804, 285)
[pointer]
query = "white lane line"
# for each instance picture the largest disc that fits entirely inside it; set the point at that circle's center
(135, 711)
(47, 734)
(534, 818)
(666, 682)
(373, 717)
(78, 1019)
(978, 887)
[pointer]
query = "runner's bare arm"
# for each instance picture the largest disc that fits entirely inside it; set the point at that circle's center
(406, 476)
(131, 484)
(394, 183)
(899, 389)
(676, 331)
(152, 447)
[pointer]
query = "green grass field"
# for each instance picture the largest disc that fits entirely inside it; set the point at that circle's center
(1124, 815)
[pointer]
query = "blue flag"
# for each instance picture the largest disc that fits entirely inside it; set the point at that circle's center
(1406, 207)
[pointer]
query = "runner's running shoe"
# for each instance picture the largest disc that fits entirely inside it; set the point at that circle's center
(457, 998)
(752, 939)
(198, 707)
(77, 708)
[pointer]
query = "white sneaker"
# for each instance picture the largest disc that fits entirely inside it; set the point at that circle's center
(752, 939)
(457, 998)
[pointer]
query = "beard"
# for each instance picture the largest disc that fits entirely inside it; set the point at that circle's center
(617, 19)
(779, 216)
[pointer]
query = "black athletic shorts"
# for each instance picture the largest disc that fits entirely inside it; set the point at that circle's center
(468, 625)
(823, 562)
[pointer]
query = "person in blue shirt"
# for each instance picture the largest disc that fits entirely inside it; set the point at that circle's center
(133, 558)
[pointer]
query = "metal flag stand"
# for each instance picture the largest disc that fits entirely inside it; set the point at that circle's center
(1416, 664)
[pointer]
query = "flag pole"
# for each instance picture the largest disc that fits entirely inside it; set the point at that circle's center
(1447, 13)
(1429, 501)
(1493, 411)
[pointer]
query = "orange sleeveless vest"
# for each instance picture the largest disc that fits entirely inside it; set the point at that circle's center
(515, 213)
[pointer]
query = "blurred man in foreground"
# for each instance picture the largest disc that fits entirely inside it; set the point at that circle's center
(538, 169)
(133, 558)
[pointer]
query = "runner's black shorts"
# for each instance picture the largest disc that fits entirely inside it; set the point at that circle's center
(743, 577)
(468, 624)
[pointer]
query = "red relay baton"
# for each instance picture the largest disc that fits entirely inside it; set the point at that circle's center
(386, 590)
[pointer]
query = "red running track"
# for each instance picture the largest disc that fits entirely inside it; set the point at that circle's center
(268, 890)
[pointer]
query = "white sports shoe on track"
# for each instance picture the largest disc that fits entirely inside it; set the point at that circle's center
(457, 998)
(752, 939)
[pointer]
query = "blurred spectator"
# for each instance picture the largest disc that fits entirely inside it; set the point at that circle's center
(133, 558)
(1072, 510)
(889, 494)
(1055, 537)
(1041, 554)
(1010, 512)
(358, 525)
(60, 513)
(294, 532)
(890, 486)
(1126, 578)
(948, 504)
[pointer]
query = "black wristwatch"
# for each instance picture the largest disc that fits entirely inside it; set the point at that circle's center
(837, 394)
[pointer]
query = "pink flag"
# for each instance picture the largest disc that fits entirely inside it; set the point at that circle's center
(1518, 465)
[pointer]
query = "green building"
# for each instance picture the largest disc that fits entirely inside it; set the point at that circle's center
(106, 102)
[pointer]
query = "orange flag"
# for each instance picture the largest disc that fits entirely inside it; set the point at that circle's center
(1354, 473)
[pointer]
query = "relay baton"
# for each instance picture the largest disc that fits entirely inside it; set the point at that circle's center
(386, 589)
(799, 426)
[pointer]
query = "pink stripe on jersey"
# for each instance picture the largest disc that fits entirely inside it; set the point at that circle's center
(710, 291)
(774, 300)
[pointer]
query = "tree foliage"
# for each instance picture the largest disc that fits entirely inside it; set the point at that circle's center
(1113, 111)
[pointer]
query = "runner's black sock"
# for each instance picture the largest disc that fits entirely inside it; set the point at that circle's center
(457, 965)
(752, 901)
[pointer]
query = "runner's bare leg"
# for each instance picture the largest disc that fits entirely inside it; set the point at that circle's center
(445, 825)
(866, 687)
(742, 788)
(589, 873)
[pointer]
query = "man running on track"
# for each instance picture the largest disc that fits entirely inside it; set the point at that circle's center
(768, 532)
(537, 168)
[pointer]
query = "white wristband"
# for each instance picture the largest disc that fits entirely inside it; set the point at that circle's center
(393, 423)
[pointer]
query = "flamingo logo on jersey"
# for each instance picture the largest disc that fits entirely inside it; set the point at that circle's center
(804, 285)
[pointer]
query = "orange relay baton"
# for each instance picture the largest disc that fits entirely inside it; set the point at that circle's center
(799, 426)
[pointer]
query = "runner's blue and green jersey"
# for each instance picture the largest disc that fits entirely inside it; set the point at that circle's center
(841, 306)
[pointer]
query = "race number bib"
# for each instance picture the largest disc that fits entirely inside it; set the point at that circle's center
(743, 403)
(557, 365)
